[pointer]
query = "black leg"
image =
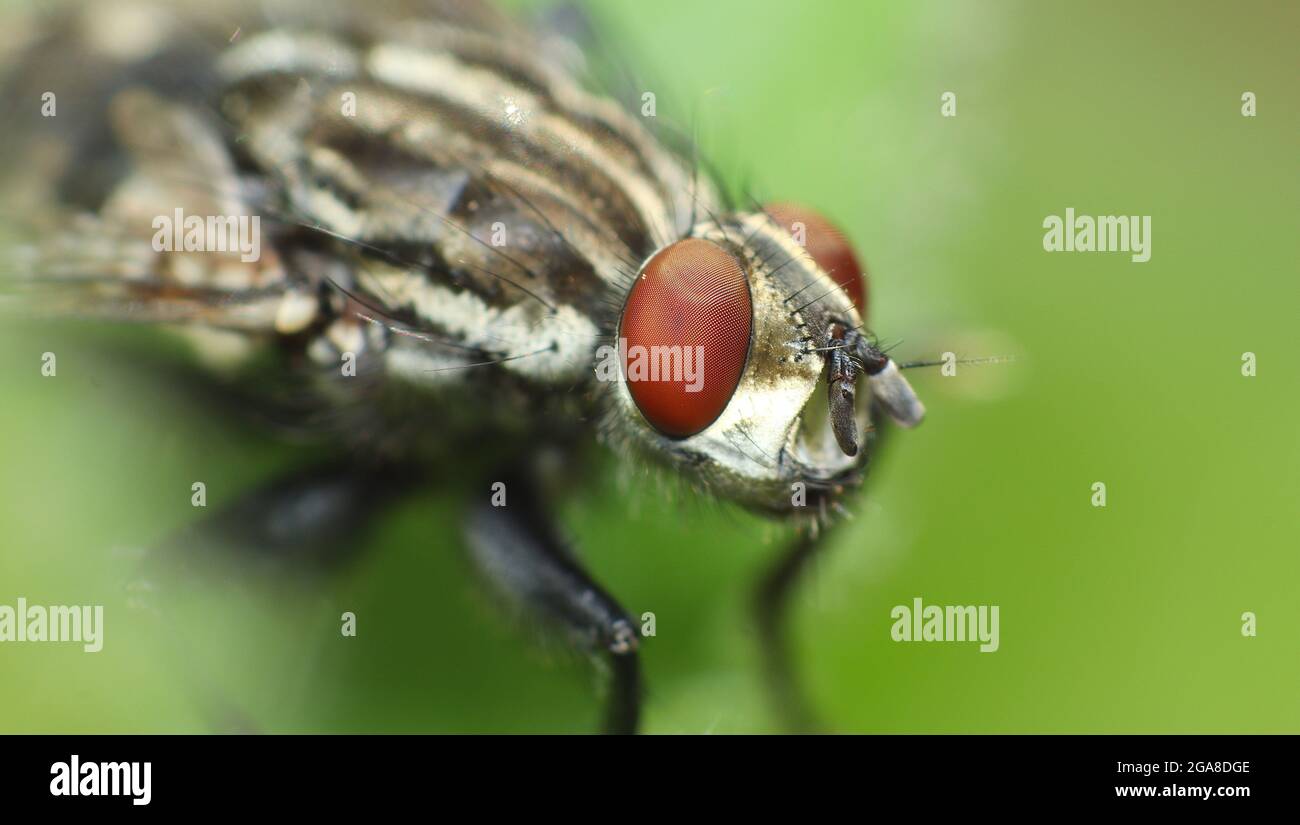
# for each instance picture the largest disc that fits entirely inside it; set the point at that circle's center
(519, 552)
(772, 602)
(305, 523)
(291, 529)
(772, 606)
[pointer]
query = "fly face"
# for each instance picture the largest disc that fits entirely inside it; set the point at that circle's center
(758, 321)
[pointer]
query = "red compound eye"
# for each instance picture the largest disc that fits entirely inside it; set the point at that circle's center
(827, 246)
(686, 330)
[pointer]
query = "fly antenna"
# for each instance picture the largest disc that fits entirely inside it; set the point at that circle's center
(992, 359)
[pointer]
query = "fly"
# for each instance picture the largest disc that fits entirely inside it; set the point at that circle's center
(454, 242)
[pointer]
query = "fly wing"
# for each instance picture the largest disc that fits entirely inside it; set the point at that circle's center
(119, 132)
(116, 150)
(114, 137)
(179, 238)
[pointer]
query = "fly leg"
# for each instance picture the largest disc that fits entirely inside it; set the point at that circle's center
(772, 601)
(772, 608)
(519, 552)
(293, 528)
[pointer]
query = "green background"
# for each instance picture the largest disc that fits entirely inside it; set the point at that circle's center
(1115, 619)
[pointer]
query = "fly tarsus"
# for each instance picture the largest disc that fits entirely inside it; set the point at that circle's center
(517, 549)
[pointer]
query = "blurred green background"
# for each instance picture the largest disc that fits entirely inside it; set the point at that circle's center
(1119, 619)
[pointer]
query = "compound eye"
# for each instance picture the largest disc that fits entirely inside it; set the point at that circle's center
(684, 335)
(827, 246)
